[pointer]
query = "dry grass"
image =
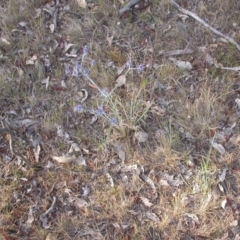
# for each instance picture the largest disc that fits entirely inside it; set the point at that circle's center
(164, 188)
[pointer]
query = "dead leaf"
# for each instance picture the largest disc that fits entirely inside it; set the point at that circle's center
(51, 236)
(86, 191)
(120, 69)
(74, 148)
(52, 28)
(92, 85)
(81, 3)
(110, 39)
(146, 202)
(218, 147)
(163, 182)
(158, 110)
(80, 202)
(94, 119)
(235, 139)
(32, 60)
(149, 181)
(121, 80)
(67, 46)
(169, 180)
(141, 136)
(209, 59)
(46, 81)
(81, 161)
(119, 148)
(90, 164)
(22, 24)
(85, 94)
(189, 136)
(20, 72)
(95, 235)
(121, 226)
(109, 179)
(64, 159)
(37, 152)
(63, 84)
(237, 101)
(193, 216)
(222, 176)
(61, 133)
(129, 168)
(182, 64)
(152, 216)
(71, 55)
(5, 41)
(175, 183)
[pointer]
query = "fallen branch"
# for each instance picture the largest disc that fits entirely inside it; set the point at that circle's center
(55, 15)
(197, 18)
(128, 7)
(236, 69)
(176, 52)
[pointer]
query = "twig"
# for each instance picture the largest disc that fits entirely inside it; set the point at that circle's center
(176, 52)
(128, 7)
(55, 15)
(197, 18)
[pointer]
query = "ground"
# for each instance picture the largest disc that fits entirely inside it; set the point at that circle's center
(108, 132)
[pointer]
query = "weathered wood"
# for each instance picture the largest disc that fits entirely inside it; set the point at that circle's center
(129, 6)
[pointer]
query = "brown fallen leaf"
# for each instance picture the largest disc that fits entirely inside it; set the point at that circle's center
(152, 216)
(158, 110)
(80, 202)
(81, 3)
(51, 236)
(119, 148)
(110, 39)
(64, 159)
(219, 148)
(141, 136)
(146, 202)
(121, 80)
(182, 64)
(90, 164)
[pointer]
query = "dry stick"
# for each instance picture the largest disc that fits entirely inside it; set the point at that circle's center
(197, 18)
(177, 52)
(128, 7)
(55, 15)
(231, 68)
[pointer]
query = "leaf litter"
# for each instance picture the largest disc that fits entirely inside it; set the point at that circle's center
(98, 172)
